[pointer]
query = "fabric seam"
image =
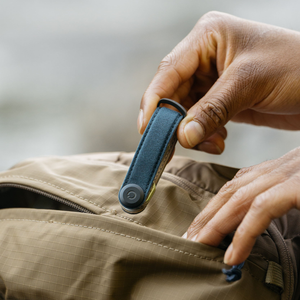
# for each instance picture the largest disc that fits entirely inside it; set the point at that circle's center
(116, 233)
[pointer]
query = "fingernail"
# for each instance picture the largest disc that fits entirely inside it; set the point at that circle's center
(209, 148)
(193, 133)
(228, 255)
(140, 120)
(185, 235)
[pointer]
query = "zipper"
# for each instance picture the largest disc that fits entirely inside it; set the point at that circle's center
(53, 197)
(181, 182)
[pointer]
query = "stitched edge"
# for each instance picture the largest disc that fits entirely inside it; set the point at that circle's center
(72, 194)
(127, 178)
(261, 256)
(120, 234)
(158, 162)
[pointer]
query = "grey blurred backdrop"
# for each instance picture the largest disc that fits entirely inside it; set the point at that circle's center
(72, 74)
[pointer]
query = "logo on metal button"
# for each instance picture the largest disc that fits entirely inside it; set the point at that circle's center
(131, 195)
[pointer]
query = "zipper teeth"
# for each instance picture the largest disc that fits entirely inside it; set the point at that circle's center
(53, 197)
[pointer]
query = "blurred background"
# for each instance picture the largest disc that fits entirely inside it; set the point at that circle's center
(72, 74)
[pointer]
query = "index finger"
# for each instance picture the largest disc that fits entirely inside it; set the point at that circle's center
(269, 205)
(176, 68)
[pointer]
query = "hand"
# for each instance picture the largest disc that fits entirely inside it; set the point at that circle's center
(229, 69)
(248, 203)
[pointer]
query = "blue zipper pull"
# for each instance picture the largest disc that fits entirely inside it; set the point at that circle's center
(235, 273)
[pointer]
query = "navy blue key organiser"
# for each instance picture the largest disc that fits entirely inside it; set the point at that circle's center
(152, 155)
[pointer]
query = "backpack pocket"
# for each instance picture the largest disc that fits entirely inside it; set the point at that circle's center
(63, 235)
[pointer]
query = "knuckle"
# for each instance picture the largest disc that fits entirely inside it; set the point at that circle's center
(260, 202)
(242, 172)
(194, 228)
(172, 59)
(240, 194)
(228, 188)
(166, 63)
(198, 223)
(240, 202)
(213, 21)
(215, 114)
(215, 231)
(213, 17)
(262, 205)
(170, 64)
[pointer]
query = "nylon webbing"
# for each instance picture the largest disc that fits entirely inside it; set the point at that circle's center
(274, 277)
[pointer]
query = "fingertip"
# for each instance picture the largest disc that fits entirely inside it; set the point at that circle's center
(140, 121)
(240, 248)
(215, 144)
(148, 106)
(193, 133)
(190, 133)
(228, 255)
(210, 148)
(210, 234)
(181, 135)
(222, 132)
(184, 236)
(235, 257)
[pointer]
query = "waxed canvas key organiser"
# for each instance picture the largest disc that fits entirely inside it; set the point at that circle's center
(151, 157)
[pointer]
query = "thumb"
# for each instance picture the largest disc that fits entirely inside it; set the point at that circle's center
(225, 99)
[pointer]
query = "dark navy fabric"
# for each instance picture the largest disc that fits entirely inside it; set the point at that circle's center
(152, 146)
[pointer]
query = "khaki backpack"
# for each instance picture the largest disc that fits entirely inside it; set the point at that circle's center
(63, 235)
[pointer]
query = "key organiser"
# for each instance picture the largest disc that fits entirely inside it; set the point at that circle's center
(152, 155)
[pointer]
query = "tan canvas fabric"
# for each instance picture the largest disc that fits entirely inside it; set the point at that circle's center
(50, 251)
